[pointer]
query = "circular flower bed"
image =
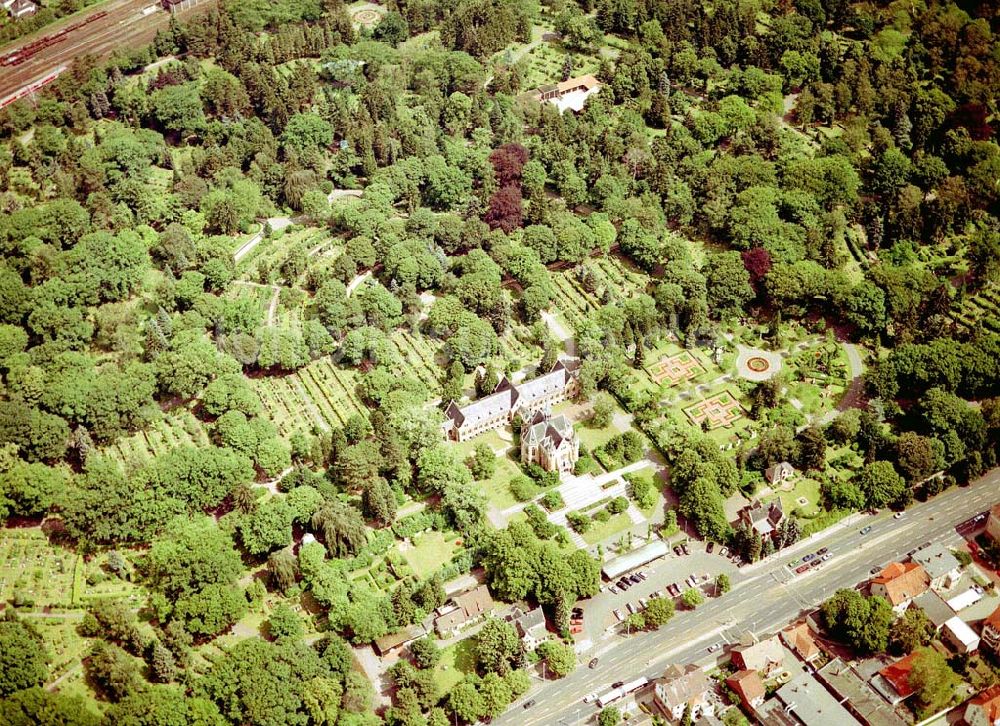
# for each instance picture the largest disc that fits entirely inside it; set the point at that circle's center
(758, 364)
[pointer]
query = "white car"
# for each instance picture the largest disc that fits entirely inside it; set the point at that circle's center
(614, 590)
(644, 601)
(827, 556)
(714, 647)
(590, 697)
(630, 607)
(724, 552)
(898, 515)
(619, 615)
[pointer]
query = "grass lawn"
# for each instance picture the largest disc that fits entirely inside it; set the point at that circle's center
(456, 662)
(600, 531)
(496, 487)
(804, 487)
(433, 550)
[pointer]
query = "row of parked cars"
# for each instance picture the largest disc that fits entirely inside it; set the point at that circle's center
(671, 590)
(811, 560)
(626, 581)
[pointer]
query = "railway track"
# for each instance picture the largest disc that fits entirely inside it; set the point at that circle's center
(116, 25)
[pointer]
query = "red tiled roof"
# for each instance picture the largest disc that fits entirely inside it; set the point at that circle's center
(747, 685)
(902, 582)
(989, 701)
(898, 675)
(993, 620)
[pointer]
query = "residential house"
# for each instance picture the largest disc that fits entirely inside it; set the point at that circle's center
(763, 519)
(812, 704)
(893, 681)
(531, 627)
(463, 610)
(941, 566)
(960, 636)
(990, 634)
(749, 687)
(550, 442)
(778, 474)
(20, 8)
(984, 709)
(508, 400)
(899, 583)
(392, 641)
(993, 523)
(764, 656)
(570, 94)
(854, 693)
(938, 612)
(681, 687)
(799, 639)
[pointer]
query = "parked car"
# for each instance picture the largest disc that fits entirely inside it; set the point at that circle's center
(827, 556)
(614, 590)
(618, 684)
(924, 546)
(912, 552)
(801, 569)
(590, 697)
(724, 552)
(874, 570)
(630, 607)
(678, 551)
(641, 574)
(529, 704)
(866, 530)
(710, 547)
(822, 550)
(619, 614)
(687, 550)
(593, 663)
(654, 595)
(644, 601)
(714, 647)
(898, 515)
(808, 557)
(634, 579)
(816, 563)
(624, 584)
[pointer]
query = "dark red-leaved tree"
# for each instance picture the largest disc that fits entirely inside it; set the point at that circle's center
(972, 116)
(757, 262)
(505, 210)
(508, 161)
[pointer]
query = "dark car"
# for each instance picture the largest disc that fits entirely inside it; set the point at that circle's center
(593, 663)
(710, 547)
(618, 684)
(678, 551)
(866, 530)
(816, 563)
(634, 579)
(874, 570)
(912, 552)
(808, 557)
(822, 550)
(687, 550)
(529, 704)
(924, 546)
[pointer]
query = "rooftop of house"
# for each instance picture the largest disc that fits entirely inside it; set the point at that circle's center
(898, 675)
(800, 639)
(467, 606)
(530, 620)
(937, 560)
(760, 656)
(852, 690)
(962, 632)
(555, 428)
(989, 701)
(506, 395)
(764, 518)
(993, 620)
(902, 581)
(812, 703)
(747, 685)
(937, 610)
(682, 685)
(586, 82)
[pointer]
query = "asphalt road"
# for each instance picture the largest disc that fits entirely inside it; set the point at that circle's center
(124, 26)
(765, 597)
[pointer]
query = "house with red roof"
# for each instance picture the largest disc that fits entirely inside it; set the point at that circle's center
(984, 709)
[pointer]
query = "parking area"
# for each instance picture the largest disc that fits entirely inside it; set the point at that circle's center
(659, 575)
